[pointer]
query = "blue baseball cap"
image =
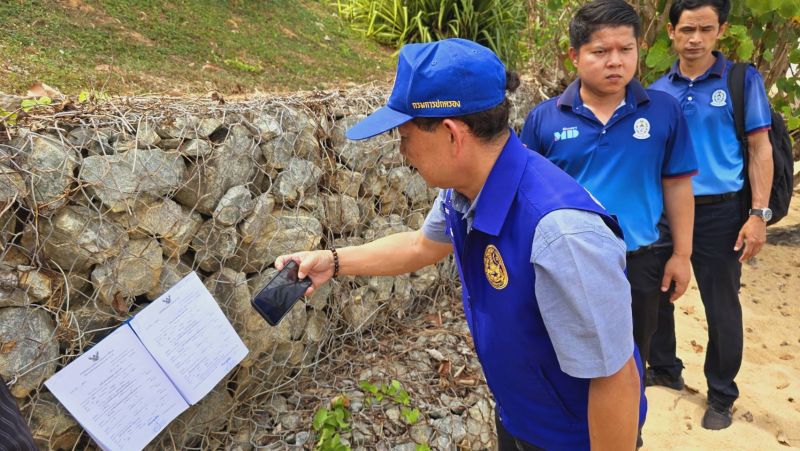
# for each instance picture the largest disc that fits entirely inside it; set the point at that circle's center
(448, 78)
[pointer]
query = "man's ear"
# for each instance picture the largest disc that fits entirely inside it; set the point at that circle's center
(573, 56)
(670, 31)
(722, 29)
(457, 131)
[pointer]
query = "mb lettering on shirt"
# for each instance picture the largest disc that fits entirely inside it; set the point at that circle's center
(566, 133)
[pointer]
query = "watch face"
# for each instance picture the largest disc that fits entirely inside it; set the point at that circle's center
(767, 214)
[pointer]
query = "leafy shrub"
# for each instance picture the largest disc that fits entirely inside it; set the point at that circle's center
(497, 24)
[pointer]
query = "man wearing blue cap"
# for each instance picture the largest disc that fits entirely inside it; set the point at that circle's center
(541, 263)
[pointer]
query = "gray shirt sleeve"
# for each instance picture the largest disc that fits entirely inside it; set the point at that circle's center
(583, 294)
(434, 227)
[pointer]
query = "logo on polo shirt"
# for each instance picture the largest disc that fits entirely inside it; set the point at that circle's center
(641, 128)
(494, 267)
(718, 98)
(566, 133)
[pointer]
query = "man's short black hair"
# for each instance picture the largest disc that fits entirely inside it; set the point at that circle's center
(722, 7)
(601, 14)
(485, 125)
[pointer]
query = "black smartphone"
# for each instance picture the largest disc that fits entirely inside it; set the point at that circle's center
(275, 300)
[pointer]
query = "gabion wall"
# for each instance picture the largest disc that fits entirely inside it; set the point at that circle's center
(105, 206)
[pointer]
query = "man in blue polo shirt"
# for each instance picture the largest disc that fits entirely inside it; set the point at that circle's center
(629, 147)
(541, 263)
(722, 237)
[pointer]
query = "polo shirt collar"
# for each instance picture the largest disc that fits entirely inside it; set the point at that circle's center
(717, 69)
(500, 188)
(635, 94)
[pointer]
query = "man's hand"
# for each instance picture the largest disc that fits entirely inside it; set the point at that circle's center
(318, 265)
(752, 236)
(677, 270)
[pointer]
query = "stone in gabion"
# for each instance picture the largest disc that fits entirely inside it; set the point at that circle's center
(51, 166)
(29, 346)
(146, 135)
(300, 178)
(233, 163)
(345, 181)
(52, 427)
(120, 180)
(213, 245)
(362, 156)
(188, 127)
(195, 148)
(174, 224)
(95, 141)
(341, 213)
(234, 205)
(77, 238)
(8, 225)
(283, 233)
(135, 271)
(171, 273)
(258, 219)
(12, 185)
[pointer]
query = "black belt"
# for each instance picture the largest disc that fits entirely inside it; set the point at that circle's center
(715, 198)
(640, 250)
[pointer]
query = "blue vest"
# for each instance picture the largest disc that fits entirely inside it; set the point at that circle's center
(536, 401)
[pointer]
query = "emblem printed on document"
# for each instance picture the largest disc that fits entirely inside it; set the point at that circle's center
(494, 267)
(718, 98)
(641, 128)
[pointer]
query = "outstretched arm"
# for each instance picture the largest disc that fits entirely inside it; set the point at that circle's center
(391, 255)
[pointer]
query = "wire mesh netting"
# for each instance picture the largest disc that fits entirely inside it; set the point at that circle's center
(104, 206)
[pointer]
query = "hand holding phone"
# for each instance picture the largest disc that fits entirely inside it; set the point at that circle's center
(275, 300)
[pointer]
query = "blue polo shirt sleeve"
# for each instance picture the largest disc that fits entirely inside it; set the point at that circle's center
(530, 130)
(582, 292)
(434, 227)
(757, 116)
(679, 156)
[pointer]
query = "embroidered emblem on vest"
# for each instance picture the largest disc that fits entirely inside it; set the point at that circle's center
(718, 98)
(641, 128)
(495, 268)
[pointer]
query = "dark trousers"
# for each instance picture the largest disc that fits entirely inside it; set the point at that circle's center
(507, 442)
(645, 271)
(718, 273)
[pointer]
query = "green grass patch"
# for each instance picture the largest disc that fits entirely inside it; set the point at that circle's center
(189, 46)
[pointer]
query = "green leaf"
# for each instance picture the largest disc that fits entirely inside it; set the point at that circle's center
(368, 387)
(745, 49)
(411, 415)
(422, 447)
(83, 96)
(27, 104)
(319, 418)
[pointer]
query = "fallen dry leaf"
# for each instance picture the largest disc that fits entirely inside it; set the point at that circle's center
(434, 319)
(119, 304)
(687, 309)
(748, 417)
(435, 354)
(782, 385)
(786, 357)
(782, 439)
(467, 380)
(7, 346)
(697, 348)
(445, 367)
(40, 89)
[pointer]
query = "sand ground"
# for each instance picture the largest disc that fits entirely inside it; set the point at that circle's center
(767, 414)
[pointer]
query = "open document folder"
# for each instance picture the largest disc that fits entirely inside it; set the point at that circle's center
(127, 388)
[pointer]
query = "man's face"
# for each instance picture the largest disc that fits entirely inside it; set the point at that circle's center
(696, 33)
(607, 62)
(426, 152)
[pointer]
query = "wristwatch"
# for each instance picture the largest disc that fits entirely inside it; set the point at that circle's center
(764, 213)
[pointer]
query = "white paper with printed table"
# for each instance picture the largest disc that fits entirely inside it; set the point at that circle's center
(129, 386)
